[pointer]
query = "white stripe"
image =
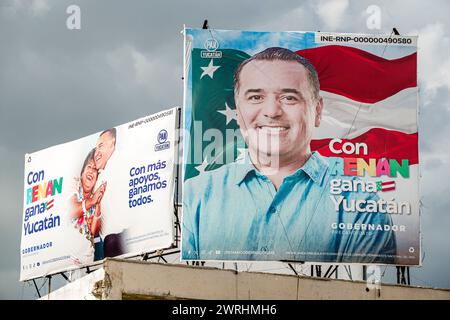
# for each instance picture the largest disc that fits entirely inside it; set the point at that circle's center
(398, 112)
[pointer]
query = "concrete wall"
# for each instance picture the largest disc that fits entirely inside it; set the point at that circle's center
(84, 288)
(126, 279)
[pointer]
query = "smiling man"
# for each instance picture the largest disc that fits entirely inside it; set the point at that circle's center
(278, 104)
(277, 205)
(112, 223)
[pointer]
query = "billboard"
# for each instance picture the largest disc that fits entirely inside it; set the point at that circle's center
(109, 194)
(302, 146)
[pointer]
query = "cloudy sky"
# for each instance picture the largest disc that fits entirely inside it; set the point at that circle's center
(58, 85)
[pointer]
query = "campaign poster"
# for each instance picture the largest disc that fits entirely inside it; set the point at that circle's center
(302, 146)
(109, 194)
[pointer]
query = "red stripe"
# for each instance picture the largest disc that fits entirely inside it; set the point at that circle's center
(49, 204)
(388, 183)
(387, 189)
(359, 75)
(381, 143)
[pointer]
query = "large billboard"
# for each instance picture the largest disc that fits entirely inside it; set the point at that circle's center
(302, 146)
(109, 194)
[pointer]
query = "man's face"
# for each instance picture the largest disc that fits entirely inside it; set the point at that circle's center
(103, 150)
(275, 107)
(89, 177)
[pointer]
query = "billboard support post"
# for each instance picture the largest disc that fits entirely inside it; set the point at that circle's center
(177, 179)
(407, 276)
(292, 268)
(348, 269)
(37, 289)
(162, 258)
(363, 178)
(148, 255)
(65, 277)
(330, 271)
(319, 270)
(49, 284)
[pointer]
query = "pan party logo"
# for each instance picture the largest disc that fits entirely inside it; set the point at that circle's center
(163, 142)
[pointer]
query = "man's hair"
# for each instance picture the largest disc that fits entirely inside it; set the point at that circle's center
(282, 54)
(112, 132)
(89, 157)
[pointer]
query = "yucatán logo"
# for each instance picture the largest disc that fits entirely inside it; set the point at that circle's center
(211, 45)
(162, 141)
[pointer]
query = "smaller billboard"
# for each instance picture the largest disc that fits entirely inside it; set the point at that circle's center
(109, 194)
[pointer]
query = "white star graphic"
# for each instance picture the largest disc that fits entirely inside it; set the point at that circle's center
(201, 168)
(229, 113)
(209, 70)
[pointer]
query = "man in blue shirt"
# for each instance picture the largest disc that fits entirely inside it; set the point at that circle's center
(278, 205)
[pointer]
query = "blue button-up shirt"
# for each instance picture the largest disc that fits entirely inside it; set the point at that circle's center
(235, 213)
